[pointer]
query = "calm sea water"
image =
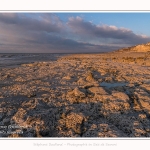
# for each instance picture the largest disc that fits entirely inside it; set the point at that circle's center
(13, 60)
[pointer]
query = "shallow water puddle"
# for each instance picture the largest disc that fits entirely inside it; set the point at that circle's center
(109, 85)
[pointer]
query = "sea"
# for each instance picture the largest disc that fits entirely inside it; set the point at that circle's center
(8, 60)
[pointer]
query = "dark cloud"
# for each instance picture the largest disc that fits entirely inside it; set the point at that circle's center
(44, 42)
(38, 22)
(46, 32)
(84, 28)
(61, 44)
(8, 18)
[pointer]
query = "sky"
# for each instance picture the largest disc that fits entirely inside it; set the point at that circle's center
(70, 32)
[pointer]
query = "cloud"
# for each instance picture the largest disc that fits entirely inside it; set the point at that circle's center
(85, 28)
(44, 43)
(8, 18)
(17, 30)
(38, 22)
(46, 32)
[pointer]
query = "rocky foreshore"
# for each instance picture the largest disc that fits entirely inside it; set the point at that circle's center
(80, 95)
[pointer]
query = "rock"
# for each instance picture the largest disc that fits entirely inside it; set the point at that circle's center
(45, 132)
(6, 120)
(31, 94)
(81, 81)
(142, 116)
(77, 92)
(11, 112)
(146, 87)
(67, 78)
(72, 121)
(90, 133)
(98, 90)
(1, 115)
(90, 77)
(131, 85)
(120, 95)
(104, 127)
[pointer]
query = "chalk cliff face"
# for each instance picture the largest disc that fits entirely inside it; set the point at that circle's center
(137, 48)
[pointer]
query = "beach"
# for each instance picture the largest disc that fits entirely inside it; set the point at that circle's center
(76, 95)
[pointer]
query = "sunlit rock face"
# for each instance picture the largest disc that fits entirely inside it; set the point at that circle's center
(137, 48)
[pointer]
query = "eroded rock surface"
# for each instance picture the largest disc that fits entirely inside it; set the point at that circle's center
(81, 95)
